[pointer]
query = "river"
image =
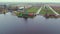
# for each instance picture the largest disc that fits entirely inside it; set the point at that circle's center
(10, 24)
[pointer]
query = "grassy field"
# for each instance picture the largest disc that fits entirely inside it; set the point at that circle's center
(33, 9)
(46, 10)
(57, 9)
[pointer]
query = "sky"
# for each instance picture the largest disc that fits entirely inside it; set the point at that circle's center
(57, 1)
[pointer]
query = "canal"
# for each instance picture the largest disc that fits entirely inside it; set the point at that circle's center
(10, 24)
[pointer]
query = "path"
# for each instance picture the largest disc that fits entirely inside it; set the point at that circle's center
(53, 10)
(39, 10)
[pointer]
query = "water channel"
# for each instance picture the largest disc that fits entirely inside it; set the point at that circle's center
(10, 24)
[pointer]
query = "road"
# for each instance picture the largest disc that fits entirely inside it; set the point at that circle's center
(53, 10)
(39, 10)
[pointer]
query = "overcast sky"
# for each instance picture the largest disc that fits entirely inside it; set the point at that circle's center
(30, 1)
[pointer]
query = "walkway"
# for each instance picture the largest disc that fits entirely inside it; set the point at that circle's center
(53, 10)
(39, 10)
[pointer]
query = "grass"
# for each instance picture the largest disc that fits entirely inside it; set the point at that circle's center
(46, 10)
(57, 10)
(32, 9)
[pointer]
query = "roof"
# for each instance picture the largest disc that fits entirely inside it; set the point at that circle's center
(21, 7)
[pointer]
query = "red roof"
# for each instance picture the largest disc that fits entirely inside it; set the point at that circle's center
(30, 14)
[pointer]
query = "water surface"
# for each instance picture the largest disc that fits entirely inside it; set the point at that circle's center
(10, 24)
